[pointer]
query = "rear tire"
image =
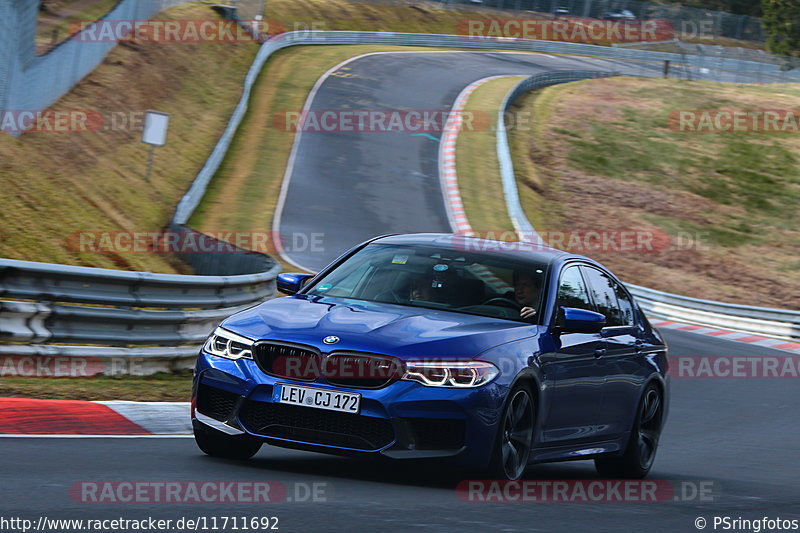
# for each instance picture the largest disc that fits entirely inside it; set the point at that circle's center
(512, 447)
(218, 444)
(643, 442)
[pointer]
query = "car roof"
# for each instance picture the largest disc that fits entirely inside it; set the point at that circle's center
(512, 250)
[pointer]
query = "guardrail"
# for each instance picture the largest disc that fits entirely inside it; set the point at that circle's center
(777, 323)
(103, 314)
(77, 321)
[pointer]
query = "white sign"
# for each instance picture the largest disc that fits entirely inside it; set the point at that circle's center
(155, 128)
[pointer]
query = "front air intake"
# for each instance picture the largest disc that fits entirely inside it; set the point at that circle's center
(286, 360)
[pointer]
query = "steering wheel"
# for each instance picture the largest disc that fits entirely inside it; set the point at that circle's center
(389, 296)
(503, 302)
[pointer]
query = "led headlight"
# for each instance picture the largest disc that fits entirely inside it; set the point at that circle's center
(458, 374)
(223, 343)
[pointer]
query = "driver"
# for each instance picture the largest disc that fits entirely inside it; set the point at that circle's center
(430, 289)
(526, 293)
(421, 289)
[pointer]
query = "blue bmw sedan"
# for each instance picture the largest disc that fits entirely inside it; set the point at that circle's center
(496, 355)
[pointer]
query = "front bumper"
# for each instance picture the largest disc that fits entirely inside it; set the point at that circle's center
(403, 420)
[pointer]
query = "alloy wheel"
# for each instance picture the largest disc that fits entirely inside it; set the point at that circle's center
(517, 435)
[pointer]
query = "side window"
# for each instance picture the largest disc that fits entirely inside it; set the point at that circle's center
(604, 295)
(572, 290)
(625, 304)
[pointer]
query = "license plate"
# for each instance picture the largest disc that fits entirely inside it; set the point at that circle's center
(344, 402)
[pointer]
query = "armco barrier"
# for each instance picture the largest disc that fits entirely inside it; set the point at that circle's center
(510, 192)
(102, 314)
(777, 323)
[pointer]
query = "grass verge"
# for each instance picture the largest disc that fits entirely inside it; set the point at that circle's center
(605, 158)
(155, 388)
(479, 179)
(478, 168)
(57, 185)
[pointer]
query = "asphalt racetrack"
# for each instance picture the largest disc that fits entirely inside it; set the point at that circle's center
(344, 187)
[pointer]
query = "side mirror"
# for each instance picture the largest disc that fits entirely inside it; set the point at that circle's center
(291, 282)
(573, 320)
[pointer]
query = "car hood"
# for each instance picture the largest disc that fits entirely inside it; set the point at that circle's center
(405, 332)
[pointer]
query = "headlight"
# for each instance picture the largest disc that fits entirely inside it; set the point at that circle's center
(223, 343)
(460, 374)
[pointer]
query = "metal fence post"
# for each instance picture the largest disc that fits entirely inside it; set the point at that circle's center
(740, 26)
(587, 9)
(7, 49)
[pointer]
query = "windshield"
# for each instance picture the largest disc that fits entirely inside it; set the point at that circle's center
(436, 278)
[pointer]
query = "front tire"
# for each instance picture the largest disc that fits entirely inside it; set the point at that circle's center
(514, 439)
(218, 444)
(643, 443)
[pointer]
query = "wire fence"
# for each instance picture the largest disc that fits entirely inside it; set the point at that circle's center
(712, 52)
(694, 56)
(31, 82)
(686, 21)
(6, 51)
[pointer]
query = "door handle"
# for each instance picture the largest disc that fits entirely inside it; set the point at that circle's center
(638, 345)
(600, 351)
